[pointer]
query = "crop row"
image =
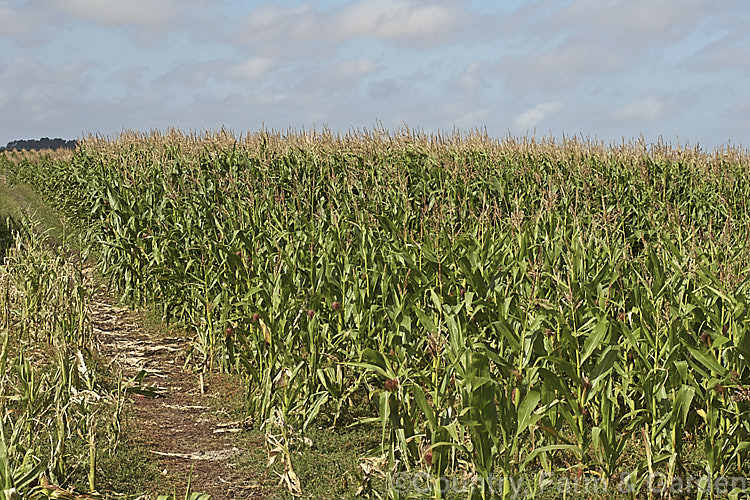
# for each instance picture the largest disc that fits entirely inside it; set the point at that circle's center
(501, 307)
(55, 410)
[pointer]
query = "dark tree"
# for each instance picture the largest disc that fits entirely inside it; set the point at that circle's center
(43, 143)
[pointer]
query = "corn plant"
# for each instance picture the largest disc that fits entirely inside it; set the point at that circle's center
(51, 400)
(499, 307)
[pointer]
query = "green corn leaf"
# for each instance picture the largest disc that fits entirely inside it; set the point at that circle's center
(525, 411)
(421, 400)
(594, 339)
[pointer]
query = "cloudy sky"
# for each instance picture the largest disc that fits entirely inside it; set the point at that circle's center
(605, 69)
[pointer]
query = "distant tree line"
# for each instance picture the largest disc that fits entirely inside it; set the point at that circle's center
(43, 143)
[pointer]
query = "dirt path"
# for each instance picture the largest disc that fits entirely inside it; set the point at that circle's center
(185, 427)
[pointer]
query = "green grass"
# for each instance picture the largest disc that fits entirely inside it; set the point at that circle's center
(328, 467)
(130, 469)
(8, 212)
(23, 205)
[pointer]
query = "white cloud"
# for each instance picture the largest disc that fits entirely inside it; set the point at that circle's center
(639, 23)
(13, 22)
(393, 20)
(533, 117)
(405, 21)
(138, 13)
(472, 77)
(473, 119)
(355, 68)
(317, 81)
(251, 69)
(560, 44)
(727, 53)
(38, 22)
(268, 18)
(25, 24)
(647, 109)
(25, 72)
(190, 74)
(560, 66)
(729, 58)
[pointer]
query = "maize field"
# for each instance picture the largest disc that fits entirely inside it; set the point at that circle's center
(499, 309)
